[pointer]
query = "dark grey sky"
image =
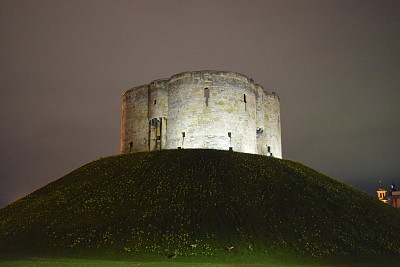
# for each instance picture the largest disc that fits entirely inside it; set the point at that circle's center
(65, 64)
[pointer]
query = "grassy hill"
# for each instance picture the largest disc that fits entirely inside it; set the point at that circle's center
(165, 201)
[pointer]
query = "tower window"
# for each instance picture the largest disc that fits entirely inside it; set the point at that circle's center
(206, 95)
(244, 98)
(269, 149)
(130, 146)
(183, 138)
(155, 101)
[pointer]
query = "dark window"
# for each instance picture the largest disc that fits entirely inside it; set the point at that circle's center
(229, 134)
(269, 149)
(183, 134)
(244, 98)
(206, 95)
(155, 101)
(154, 122)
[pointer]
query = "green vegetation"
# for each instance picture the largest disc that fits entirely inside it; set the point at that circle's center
(195, 204)
(194, 261)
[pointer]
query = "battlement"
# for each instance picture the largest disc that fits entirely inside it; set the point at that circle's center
(136, 88)
(209, 74)
(159, 82)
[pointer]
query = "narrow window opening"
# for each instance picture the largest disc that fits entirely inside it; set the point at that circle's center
(130, 146)
(206, 95)
(155, 101)
(154, 122)
(245, 101)
(269, 149)
(183, 138)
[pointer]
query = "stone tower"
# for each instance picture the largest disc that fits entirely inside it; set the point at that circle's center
(201, 109)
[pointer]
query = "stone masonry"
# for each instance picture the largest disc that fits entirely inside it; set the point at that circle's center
(201, 109)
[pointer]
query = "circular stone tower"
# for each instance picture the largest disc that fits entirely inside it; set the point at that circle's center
(202, 109)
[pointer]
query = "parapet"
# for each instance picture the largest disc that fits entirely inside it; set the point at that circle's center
(136, 88)
(206, 73)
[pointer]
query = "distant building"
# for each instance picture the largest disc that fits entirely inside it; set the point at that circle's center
(391, 197)
(382, 194)
(394, 197)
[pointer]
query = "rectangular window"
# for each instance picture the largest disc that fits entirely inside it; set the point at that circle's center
(130, 146)
(206, 95)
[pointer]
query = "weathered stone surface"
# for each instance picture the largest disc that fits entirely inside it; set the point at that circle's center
(202, 109)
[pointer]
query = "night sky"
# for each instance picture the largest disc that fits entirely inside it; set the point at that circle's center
(64, 66)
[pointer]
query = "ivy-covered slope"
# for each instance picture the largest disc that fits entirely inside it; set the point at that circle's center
(199, 202)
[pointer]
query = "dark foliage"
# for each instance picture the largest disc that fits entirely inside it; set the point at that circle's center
(198, 202)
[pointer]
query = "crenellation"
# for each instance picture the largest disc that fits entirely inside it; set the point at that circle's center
(202, 109)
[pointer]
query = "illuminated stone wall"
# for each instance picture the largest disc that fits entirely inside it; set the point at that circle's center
(134, 126)
(202, 109)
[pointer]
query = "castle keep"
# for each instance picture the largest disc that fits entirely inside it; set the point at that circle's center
(201, 109)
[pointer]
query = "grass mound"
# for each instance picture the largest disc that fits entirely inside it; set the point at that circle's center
(200, 202)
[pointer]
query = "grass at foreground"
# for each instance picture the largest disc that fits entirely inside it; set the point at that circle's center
(157, 260)
(353, 262)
